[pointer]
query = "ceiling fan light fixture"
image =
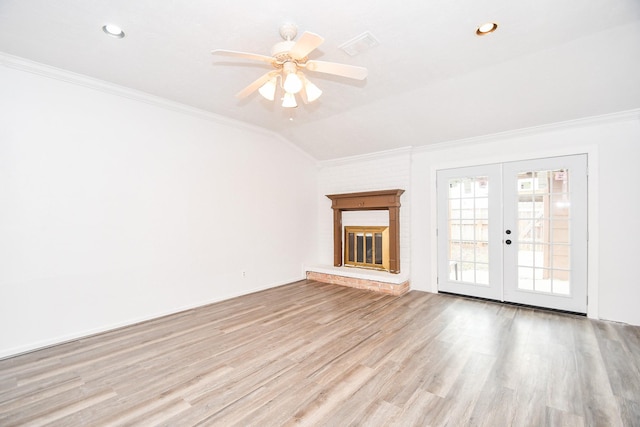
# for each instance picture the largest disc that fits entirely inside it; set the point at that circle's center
(268, 90)
(312, 91)
(288, 58)
(289, 100)
(292, 82)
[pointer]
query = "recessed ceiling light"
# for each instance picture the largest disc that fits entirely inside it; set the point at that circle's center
(486, 28)
(113, 31)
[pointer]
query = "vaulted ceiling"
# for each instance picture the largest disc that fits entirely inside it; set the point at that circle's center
(431, 78)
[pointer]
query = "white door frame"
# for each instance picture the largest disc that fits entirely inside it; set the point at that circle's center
(592, 217)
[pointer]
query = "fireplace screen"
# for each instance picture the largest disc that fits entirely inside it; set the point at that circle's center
(367, 247)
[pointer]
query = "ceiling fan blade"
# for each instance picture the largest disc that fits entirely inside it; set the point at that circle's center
(244, 55)
(256, 84)
(344, 70)
(305, 45)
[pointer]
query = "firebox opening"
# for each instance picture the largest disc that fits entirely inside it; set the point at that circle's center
(366, 247)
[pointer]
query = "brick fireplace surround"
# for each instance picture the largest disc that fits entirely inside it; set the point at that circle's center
(392, 283)
(384, 282)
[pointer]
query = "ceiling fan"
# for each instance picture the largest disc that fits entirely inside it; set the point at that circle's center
(289, 58)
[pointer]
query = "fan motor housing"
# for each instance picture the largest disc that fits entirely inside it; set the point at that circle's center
(280, 51)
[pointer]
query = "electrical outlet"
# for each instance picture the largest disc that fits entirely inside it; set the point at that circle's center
(244, 274)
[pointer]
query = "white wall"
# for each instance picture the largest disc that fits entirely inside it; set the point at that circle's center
(117, 207)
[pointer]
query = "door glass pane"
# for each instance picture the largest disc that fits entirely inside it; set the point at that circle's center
(482, 208)
(455, 231)
(467, 209)
(466, 189)
(560, 231)
(561, 257)
(561, 282)
(541, 180)
(525, 278)
(482, 252)
(468, 251)
(468, 272)
(455, 249)
(542, 280)
(482, 187)
(482, 273)
(543, 231)
(468, 230)
(526, 255)
(454, 208)
(560, 206)
(454, 189)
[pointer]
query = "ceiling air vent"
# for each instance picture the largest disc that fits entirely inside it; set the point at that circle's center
(359, 44)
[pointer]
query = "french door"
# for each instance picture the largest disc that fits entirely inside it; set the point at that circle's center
(515, 232)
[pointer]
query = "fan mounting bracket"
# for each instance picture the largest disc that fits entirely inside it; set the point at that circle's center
(288, 31)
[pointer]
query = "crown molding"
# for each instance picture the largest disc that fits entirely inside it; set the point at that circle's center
(26, 65)
(378, 155)
(617, 117)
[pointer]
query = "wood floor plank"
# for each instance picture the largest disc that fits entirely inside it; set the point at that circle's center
(555, 417)
(286, 396)
(355, 409)
(629, 411)
(466, 391)
(418, 411)
(622, 370)
(332, 397)
(55, 407)
(22, 400)
(311, 353)
(496, 403)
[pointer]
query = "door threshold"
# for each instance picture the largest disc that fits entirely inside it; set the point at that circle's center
(532, 307)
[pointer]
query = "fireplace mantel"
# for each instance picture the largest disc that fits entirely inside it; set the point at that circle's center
(370, 200)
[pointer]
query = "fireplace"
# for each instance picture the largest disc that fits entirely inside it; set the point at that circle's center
(366, 247)
(366, 239)
(374, 250)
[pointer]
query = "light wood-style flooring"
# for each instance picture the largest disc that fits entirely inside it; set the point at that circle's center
(316, 354)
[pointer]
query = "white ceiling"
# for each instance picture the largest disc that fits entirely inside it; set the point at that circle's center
(431, 79)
